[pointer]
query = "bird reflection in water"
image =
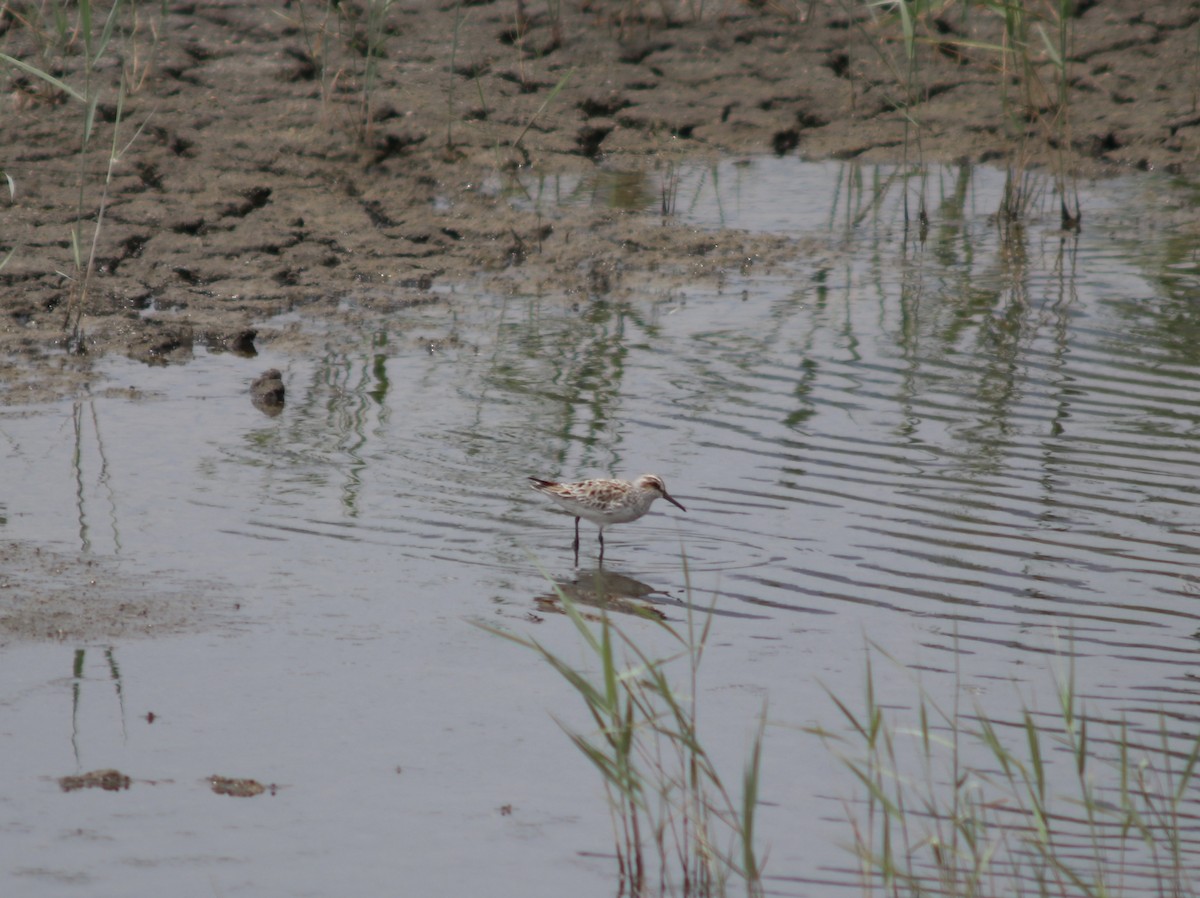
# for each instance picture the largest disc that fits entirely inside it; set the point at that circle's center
(603, 590)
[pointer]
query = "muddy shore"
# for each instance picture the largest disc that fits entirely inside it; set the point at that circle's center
(262, 167)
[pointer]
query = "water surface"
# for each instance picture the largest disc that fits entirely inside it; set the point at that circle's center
(976, 447)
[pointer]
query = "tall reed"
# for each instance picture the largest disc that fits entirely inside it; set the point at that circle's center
(56, 32)
(1025, 38)
(345, 47)
(375, 52)
(85, 265)
(677, 828)
(962, 804)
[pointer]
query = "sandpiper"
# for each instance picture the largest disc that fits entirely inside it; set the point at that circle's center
(605, 502)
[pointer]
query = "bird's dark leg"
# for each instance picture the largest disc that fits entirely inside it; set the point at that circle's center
(576, 543)
(602, 545)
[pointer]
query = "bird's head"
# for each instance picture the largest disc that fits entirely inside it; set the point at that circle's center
(652, 483)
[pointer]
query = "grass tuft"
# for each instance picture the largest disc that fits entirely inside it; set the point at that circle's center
(1011, 821)
(88, 35)
(676, 827)
(1028, 44)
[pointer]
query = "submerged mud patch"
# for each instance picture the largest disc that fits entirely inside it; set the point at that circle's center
(51, 595)
(239, 787)
(109, 780)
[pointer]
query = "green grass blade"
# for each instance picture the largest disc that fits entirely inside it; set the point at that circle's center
(750, 791)
(56, 83)
(906, 25)
(1035, 757)
(106, 35)
(1189, 769)
(85, 25)
(554, 92)
(1051, 49)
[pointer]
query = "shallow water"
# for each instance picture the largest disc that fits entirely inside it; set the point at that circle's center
(978, 451)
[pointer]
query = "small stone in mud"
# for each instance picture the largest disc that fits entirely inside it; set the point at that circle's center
(238, 342)
(238, 788)
(161, 346)
(267, 393)
(111, 780)
(420, 282)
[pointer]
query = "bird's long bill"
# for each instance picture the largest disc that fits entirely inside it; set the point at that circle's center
(673, 502)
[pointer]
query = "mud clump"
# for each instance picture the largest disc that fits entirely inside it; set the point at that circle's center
(239, 788)
(267, 392)
(109, 780)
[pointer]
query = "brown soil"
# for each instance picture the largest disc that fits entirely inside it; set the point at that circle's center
(250, 180)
